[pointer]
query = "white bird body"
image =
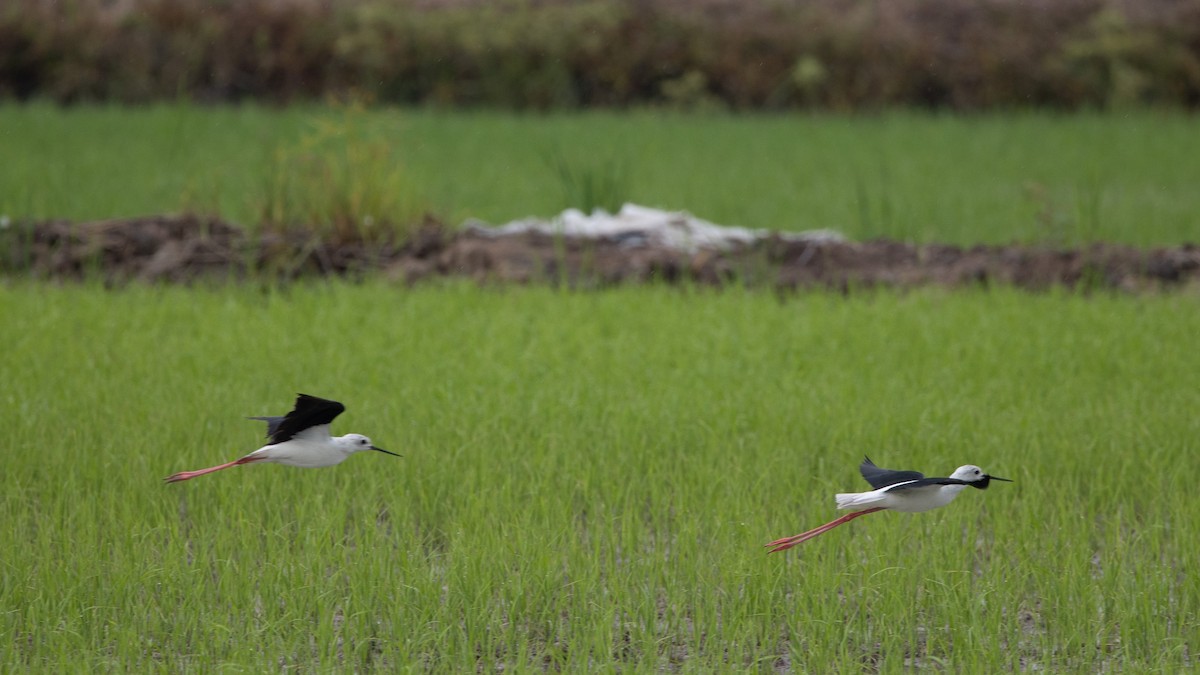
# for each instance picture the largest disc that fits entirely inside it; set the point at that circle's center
(311, 449)
(300, 438)
(907, 497)
(914, 501)
(904, 491)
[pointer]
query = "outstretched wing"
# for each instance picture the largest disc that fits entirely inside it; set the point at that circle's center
(881, 478)
(923, 482)
(308, 412)
(272, 421)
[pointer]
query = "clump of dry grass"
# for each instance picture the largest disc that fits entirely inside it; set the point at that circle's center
(343, 181)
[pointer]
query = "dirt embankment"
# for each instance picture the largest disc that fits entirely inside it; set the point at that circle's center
(186, 248)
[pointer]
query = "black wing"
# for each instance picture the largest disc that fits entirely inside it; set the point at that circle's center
(273, 423)
(309, 412)
(925, 482)
(881, 478)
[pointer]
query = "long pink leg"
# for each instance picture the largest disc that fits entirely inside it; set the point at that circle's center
(788, 542)
(188, 475)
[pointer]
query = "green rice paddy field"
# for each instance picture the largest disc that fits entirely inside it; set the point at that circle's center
(1028, 177)
(588, 480)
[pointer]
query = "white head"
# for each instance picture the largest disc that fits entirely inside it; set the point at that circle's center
(974, 476)
(352, 443)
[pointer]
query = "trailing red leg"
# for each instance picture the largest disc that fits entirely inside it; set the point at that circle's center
(788, 542)
(188, 475)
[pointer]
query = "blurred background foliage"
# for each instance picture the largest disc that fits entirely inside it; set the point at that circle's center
(835, 55)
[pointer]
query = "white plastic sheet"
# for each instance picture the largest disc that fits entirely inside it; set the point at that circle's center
(636, 226)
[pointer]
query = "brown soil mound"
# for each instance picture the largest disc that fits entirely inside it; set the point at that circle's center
(187, 248)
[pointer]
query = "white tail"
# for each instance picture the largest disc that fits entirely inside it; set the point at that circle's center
(857, 501)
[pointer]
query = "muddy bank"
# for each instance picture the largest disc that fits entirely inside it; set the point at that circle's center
(187, 248)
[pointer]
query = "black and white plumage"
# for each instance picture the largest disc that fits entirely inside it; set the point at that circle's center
(911, 491)
(904, 491)
(309, 412)
(299, 438)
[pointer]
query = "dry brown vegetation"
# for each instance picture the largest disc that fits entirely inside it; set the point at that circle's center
(826, 54)
(182, 249)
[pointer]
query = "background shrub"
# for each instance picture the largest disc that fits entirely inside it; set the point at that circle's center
(527, 54)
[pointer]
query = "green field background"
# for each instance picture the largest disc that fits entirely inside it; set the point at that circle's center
(588, 480)
(996, 178)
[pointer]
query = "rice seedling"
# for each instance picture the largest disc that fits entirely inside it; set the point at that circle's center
(588, 480)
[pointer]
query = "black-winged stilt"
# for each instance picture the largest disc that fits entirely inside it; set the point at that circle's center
(906, 491)
(300, 438)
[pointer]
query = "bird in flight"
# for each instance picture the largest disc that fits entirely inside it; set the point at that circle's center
(905, 491)
(299, 438)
